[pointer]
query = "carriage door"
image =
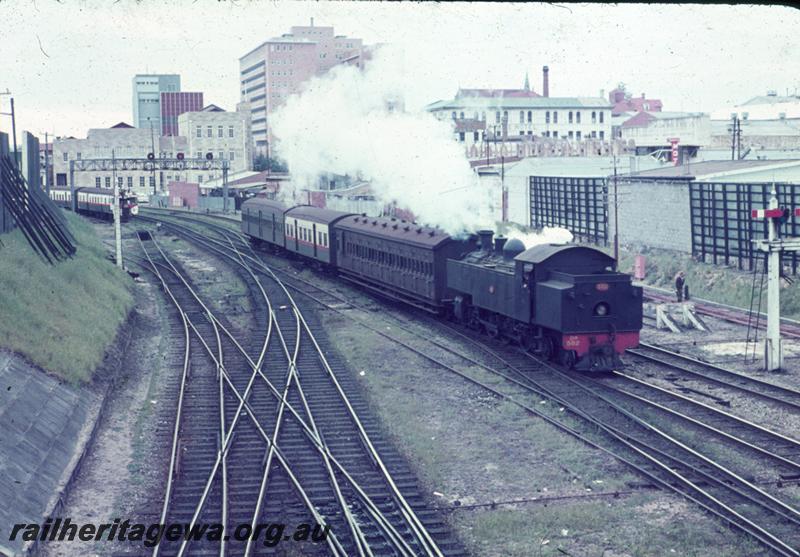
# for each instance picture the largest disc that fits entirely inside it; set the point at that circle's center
(274, 225)
(314, 238)
(296, 234)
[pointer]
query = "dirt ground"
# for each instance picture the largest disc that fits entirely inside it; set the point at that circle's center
(121, 466)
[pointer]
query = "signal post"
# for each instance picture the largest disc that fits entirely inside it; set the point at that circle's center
(774, 246)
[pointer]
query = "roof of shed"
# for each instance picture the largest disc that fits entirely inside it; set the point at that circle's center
(704, 168)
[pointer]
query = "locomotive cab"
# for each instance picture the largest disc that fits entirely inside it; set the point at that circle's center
(594, 311)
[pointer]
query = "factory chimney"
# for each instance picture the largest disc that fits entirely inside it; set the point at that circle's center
(545, 82)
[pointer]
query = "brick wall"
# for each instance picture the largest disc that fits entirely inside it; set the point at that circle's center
(656, 214)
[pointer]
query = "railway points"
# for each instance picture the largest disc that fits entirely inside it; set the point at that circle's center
(328, 420)
(770, 524)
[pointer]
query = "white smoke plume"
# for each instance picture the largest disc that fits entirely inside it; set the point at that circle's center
(547, 235)
(341, 124)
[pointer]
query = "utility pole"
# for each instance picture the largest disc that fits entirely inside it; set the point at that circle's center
(736, 136)
(13, 125)
(616, 215)
(738, 139)
(14, 134)
(152, 150)
(774, 246)
(46, 166)
(115, 212)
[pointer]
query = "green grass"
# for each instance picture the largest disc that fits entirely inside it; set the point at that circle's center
(62, 317)
(711, 282)
(649, 527)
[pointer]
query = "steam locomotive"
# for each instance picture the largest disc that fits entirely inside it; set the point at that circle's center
(566, 303)
(96, 202)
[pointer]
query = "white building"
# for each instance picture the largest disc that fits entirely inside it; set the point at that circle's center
(653, 131)
(123, 141)
(767, 122)
(226, 135)
(147, 91)
(478, 118)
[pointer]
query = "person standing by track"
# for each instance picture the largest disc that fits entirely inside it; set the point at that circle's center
(680, 281)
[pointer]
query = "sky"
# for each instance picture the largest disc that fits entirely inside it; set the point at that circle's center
(69, 64)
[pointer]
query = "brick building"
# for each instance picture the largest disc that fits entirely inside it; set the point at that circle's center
(173, 104)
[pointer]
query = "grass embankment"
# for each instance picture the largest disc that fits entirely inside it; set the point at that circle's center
(711, 282)
(62, 317)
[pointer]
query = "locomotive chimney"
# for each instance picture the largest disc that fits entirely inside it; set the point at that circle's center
(499, 242)
(486, 239)
(545, 82)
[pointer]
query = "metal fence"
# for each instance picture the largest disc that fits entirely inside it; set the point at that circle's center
(723, 229)
(578, 204)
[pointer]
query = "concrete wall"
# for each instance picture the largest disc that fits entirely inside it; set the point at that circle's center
(6, 220)
(183, 194)
(29, 161)
(652, 213)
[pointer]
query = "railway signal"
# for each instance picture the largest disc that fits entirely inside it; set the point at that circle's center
(774, 246)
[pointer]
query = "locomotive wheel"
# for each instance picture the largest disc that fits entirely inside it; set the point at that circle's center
(568, 358)
(527, 343)
(547, 349)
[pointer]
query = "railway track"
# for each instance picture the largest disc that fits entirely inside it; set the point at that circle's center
(317, 439)
(611, 423)
(789, 327)
(693, 368)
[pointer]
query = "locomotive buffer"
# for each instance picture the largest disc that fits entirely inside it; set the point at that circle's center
(774, 246)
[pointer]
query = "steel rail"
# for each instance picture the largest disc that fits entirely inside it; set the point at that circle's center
(370, 506)
(179, 409)
(736, 439)
(392, 534)
(292, 376)
(759, 532)
(331, 538)
(736, 376)
(410, 517)
(722, 505)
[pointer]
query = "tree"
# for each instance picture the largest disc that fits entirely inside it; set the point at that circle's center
(263, 162)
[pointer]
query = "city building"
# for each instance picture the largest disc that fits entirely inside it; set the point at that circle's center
(624, 102)
(46, 164)
(147, 89)
(124, 141)
(481, 115)
(173, 104)
(655, 133)
(767, 122)
(278, 67)
(226, 135)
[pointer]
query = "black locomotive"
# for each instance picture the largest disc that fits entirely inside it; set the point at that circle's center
(563, 302)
